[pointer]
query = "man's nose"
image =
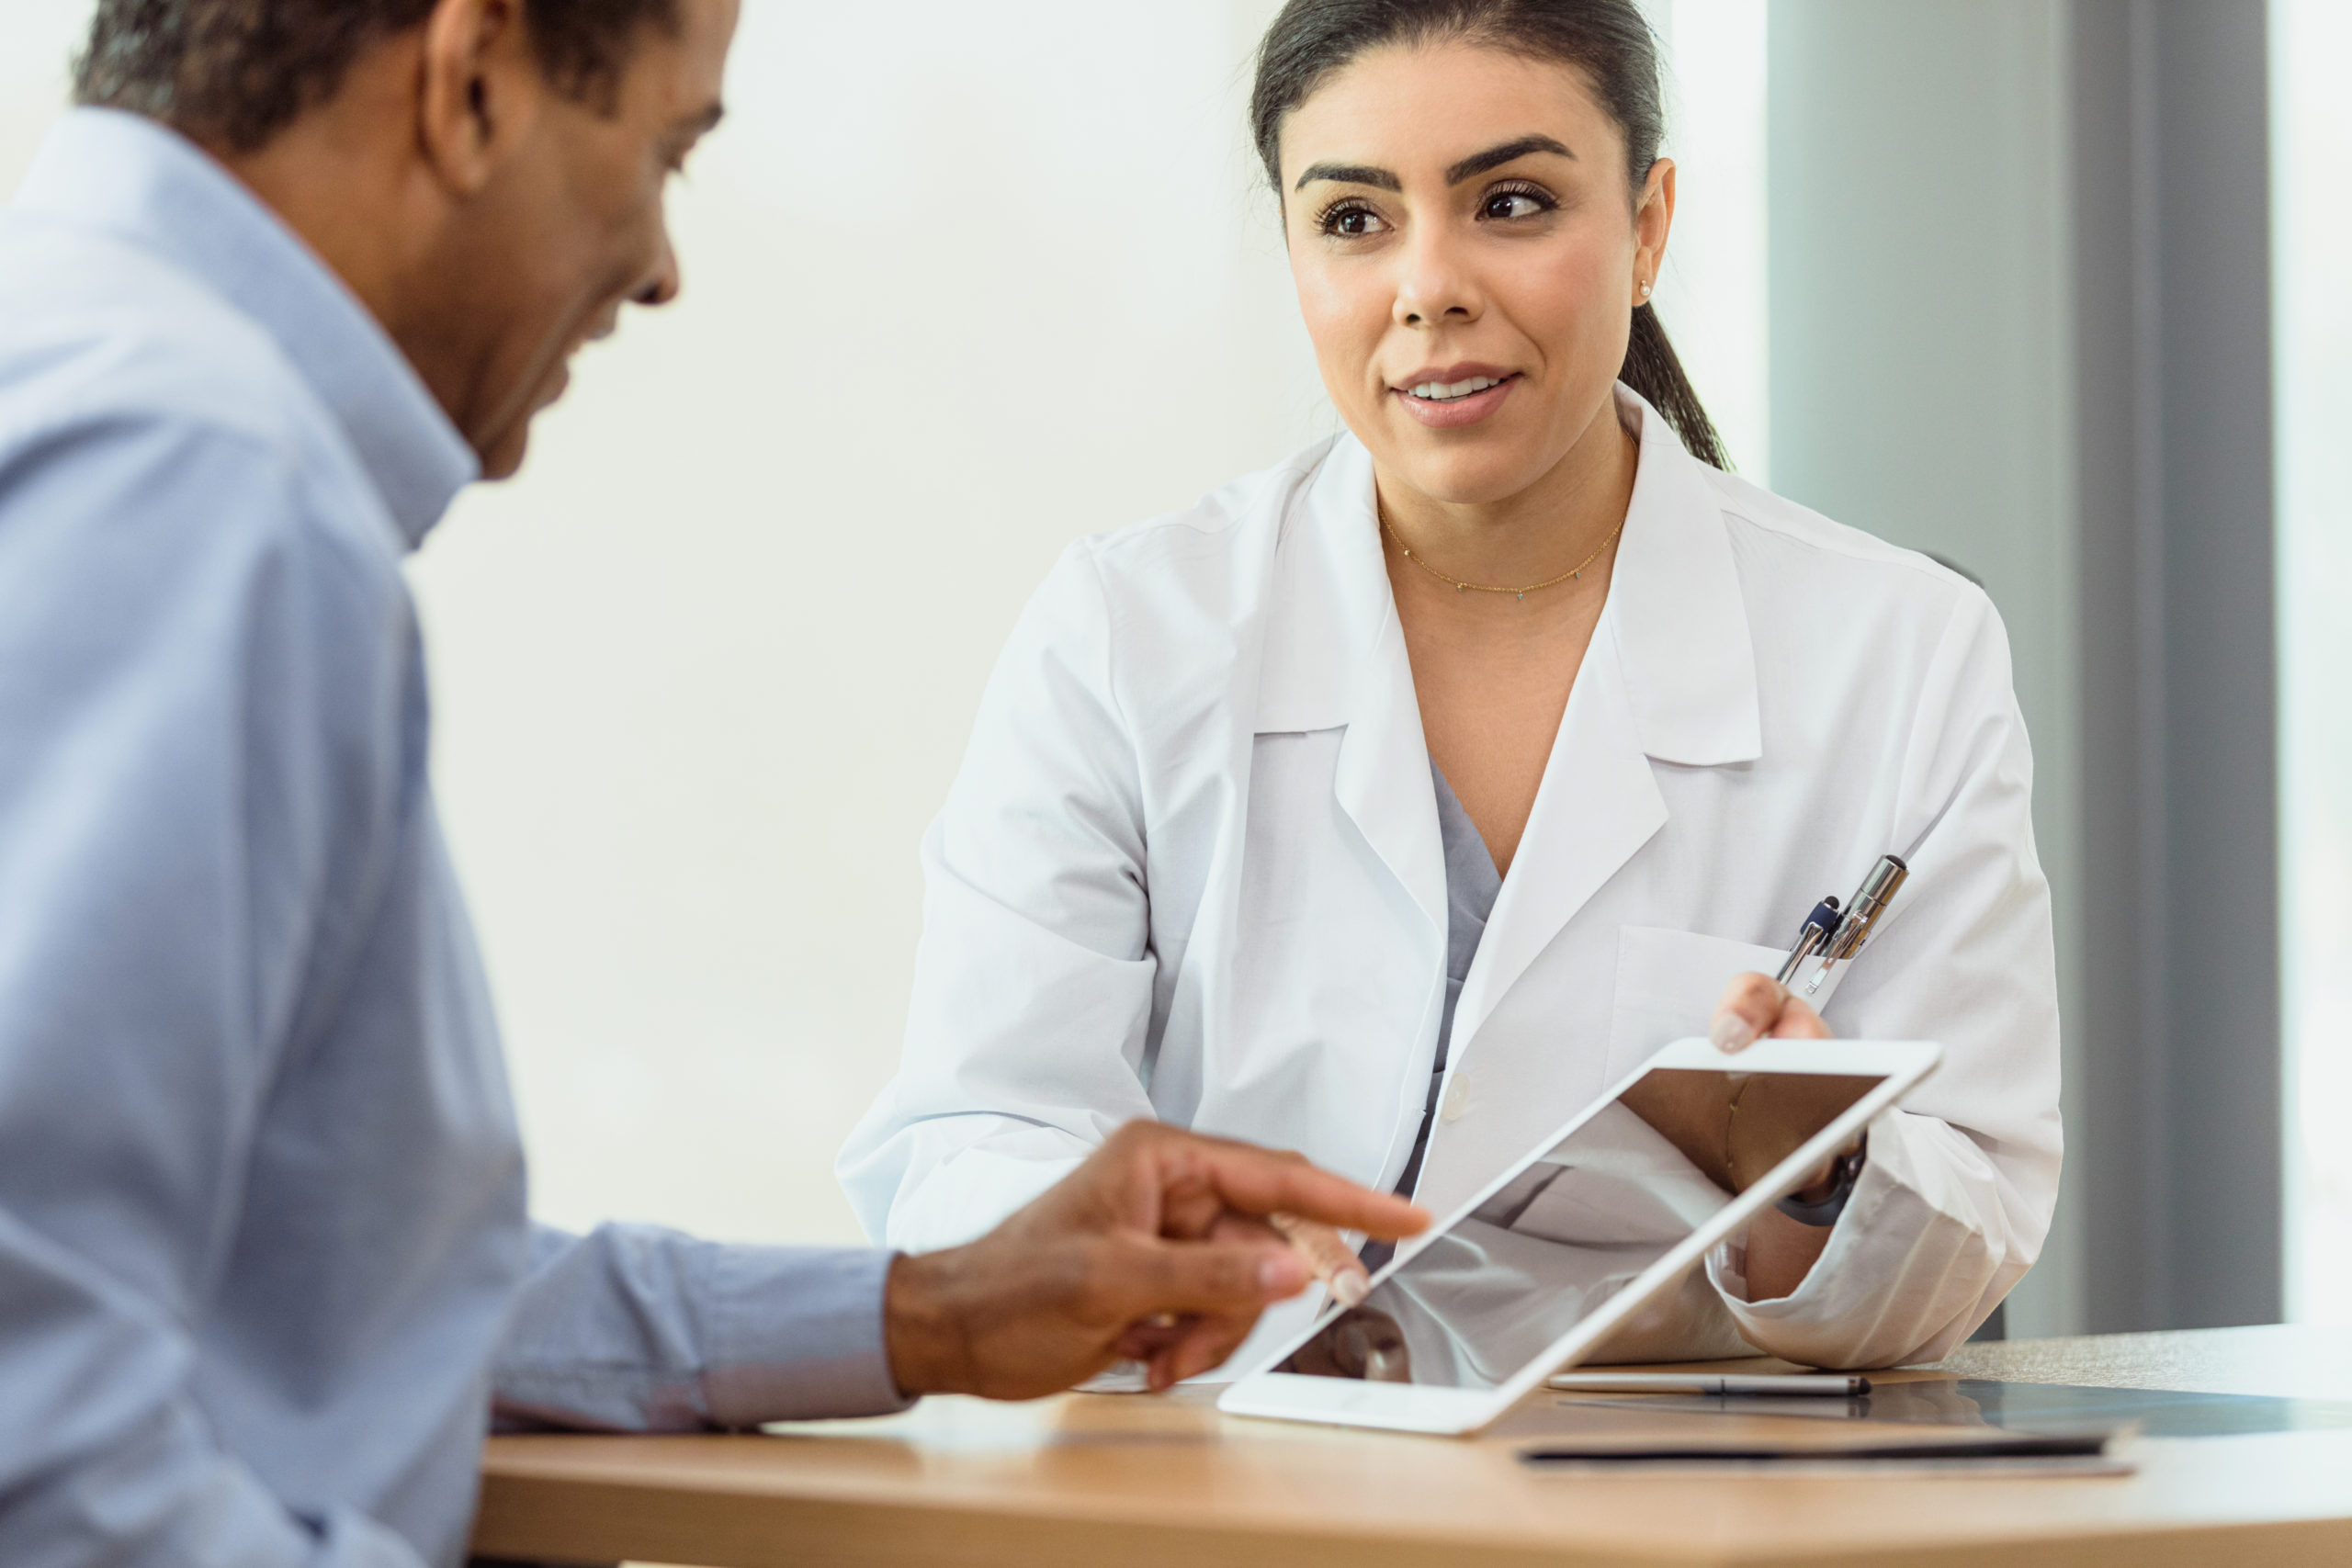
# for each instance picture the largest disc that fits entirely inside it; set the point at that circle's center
(663, 284)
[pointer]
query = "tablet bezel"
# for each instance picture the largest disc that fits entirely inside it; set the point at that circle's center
(1293, 1396)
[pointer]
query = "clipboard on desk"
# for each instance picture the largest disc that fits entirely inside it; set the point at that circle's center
(1907, 1424)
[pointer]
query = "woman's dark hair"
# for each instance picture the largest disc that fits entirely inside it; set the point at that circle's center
(1608, 40)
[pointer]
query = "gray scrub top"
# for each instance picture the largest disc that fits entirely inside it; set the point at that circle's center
(1472, 885)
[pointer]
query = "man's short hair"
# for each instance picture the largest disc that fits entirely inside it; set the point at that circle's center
(237, 72)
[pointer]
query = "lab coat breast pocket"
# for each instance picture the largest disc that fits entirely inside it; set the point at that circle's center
(1667, 983)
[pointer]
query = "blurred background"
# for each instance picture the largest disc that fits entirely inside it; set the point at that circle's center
(2056, 288)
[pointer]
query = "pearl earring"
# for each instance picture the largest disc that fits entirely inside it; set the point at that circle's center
(1646, 290)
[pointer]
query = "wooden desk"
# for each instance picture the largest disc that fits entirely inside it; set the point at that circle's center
(1136, 1481)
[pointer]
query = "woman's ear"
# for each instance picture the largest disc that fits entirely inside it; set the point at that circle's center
(1653, 217)
(480, 89)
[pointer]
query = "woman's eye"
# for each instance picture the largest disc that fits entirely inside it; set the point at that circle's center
(1352, 223)
(1509, 204)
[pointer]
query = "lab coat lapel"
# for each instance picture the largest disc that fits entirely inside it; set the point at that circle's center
(1596, 805)
(1688, 661)
(1335, 656)
(1670, 675)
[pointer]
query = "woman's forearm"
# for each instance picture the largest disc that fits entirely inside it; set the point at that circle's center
(1780, 1253)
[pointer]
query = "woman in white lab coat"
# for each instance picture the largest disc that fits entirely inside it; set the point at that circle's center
(1216, 854)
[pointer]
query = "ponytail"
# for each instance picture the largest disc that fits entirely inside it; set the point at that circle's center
(1653, 369)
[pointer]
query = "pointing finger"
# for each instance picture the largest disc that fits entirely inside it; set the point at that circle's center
(1203, 1278)
(1261, 1181)
(1328, 1255)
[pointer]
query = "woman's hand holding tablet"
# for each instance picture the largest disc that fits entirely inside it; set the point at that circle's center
(1594, 1234)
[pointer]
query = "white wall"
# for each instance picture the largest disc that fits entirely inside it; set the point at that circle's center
(37, 41)
(1713, 295)
(962, 283)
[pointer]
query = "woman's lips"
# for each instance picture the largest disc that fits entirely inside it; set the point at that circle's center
(1453, 412)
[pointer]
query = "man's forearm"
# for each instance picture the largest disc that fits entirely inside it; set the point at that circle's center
(637, 1328)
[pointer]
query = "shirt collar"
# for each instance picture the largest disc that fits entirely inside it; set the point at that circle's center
(1680, 618)
(139, 182)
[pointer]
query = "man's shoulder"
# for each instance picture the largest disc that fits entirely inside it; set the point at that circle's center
(108, 348)
(104, 329)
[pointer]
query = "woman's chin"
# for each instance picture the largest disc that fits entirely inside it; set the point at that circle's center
(1466, 476)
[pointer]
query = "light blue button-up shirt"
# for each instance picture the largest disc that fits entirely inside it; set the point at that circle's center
(262, 1225)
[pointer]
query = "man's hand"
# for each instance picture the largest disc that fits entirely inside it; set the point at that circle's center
(1156, 1249)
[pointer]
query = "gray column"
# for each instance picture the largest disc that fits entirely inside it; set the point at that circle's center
(1922, 369)
(2020, 320)
(2181, 1170)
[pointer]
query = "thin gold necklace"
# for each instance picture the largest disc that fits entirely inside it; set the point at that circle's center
(1461, 587)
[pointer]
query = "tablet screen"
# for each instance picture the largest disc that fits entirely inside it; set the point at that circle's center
(1499, 1287)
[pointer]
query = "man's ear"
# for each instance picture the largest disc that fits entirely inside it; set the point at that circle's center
(481, 89)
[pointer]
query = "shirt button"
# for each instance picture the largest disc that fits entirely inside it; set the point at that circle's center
(1457, 1099)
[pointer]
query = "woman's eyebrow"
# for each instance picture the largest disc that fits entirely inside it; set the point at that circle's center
(1349, 175)
(1496, 157)
(1469, 168)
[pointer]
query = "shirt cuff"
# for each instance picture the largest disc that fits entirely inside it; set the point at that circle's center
(1909, 1269)
(795, 1333)
(1887, 1170)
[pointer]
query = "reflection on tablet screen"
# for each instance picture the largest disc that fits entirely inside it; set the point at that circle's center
(1560, 1239)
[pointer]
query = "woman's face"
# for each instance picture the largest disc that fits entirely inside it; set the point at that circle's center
(1468, 255)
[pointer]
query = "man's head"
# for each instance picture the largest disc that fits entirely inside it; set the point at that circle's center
(487, 175)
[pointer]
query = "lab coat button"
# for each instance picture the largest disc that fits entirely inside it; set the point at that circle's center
(1457, 1099)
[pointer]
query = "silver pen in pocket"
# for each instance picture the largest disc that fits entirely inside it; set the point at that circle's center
(1861, 917)
(1832, 935)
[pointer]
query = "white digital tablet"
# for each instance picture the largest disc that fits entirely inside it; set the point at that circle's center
(1603, 1228)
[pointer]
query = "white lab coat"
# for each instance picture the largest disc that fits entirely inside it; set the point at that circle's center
(1191, 870)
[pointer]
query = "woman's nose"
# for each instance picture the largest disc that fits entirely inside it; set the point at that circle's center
(1434, 285)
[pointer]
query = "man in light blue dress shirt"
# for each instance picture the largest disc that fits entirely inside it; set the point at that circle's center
(265, 1267)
